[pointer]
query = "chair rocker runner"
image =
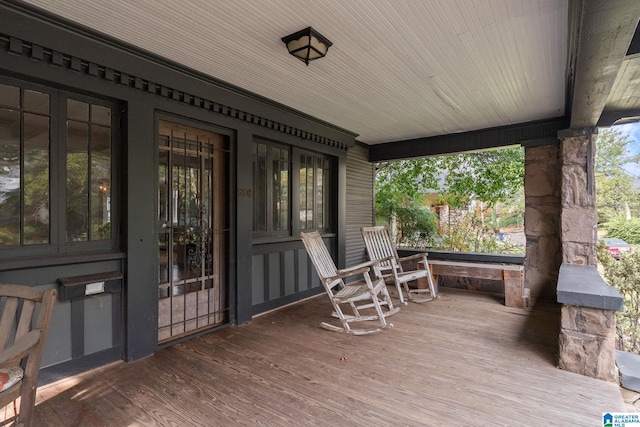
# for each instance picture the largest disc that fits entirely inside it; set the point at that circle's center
(368, 292)
(23, 332)
(380, 247)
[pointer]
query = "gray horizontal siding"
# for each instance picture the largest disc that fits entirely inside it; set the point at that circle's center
(360, 200)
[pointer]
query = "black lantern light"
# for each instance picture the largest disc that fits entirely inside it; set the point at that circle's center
(307, 45)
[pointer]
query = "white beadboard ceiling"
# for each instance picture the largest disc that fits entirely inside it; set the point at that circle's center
(398, 69)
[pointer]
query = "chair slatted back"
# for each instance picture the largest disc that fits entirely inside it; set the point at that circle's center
(10, 322)
(379, 244)
(26, 314)
(320, 256)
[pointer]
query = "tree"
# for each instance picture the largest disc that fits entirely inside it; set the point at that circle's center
(615, 194)
(398, 199)
(487, 176)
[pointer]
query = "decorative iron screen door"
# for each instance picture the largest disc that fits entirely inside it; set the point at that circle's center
(193, 230)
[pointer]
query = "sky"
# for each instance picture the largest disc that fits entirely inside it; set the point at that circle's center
(633, 132)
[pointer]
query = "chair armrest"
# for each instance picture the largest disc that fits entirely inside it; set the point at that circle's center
(358, 266)
(412, 257)
(21, 347)
(379, 260)
(348, 272)
(353, 270)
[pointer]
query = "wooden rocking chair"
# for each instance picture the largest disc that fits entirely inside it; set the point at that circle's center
(22, 339)
(373, 292)
(380, 247)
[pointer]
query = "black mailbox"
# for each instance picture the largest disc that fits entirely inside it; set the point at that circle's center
(91, 284)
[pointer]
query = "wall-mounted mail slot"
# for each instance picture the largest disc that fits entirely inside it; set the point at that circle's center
(94, 288)
(90, 284)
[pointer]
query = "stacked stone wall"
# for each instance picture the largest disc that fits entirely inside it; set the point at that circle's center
(579, 222)
(542, 220)
(587, 342)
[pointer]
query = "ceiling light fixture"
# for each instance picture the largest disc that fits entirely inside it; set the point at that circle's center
(307, 45)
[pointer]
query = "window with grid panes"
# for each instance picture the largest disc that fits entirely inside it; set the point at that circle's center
(271, 197)
(273, 203)
(56, 167)
(315, 190)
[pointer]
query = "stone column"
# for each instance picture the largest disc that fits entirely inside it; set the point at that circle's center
(542, 220)
(588, 326)
(578, 223)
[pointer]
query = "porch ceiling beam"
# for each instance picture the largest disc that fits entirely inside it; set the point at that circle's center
(468, 141)
(604, 31)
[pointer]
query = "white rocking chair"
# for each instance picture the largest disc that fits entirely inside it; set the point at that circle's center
(373, 292)
(380, 247)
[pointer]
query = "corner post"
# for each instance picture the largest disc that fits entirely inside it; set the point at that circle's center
(588, 321)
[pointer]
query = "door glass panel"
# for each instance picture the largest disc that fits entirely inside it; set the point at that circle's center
(164, 192)
(193, 230)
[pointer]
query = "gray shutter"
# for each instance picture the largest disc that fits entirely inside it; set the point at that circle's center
(360, 202)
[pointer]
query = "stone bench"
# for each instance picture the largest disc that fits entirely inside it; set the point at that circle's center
(512, 275)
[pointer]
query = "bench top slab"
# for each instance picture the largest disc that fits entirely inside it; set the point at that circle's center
(582, 285)
(495, 266)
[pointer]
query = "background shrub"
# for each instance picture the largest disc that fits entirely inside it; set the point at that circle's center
(625, 276)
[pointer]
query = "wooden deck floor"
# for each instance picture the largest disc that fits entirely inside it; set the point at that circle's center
(464, 360)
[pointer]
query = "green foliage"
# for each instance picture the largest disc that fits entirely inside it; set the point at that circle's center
(614, 186)
(510, 212)
(625, 276)
(612, 152)
(615, 197)
(415, 225)
(622, 228)
(407, 178)
(488, 176)
(398, 199)
(470, 233)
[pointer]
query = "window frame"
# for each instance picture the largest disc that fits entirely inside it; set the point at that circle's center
(102, 245)
(57, 244)
(329, 196)
(268, 197)
(329, 199)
